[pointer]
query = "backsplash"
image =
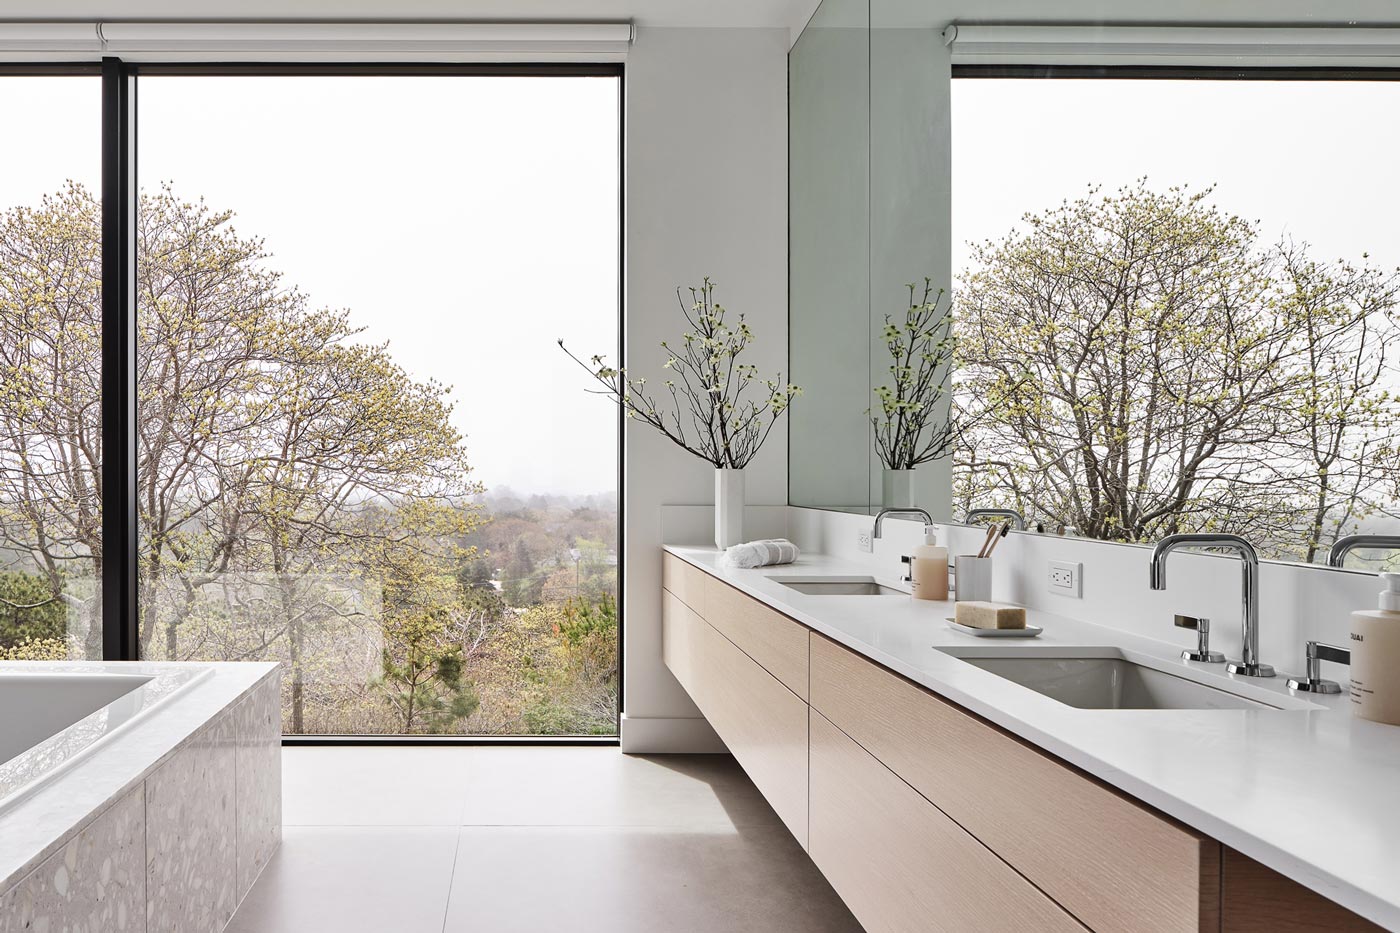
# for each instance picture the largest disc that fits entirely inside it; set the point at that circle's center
(1297, 603)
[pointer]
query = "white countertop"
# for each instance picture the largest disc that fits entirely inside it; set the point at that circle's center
(1310, 793)
(58, 808)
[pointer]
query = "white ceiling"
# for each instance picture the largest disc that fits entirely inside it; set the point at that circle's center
(784, 13)
(791, 14)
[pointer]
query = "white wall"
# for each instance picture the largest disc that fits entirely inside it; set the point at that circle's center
(706, 194)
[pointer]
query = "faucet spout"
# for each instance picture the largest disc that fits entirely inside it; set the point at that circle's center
(880, 517)
(1344, 546)
(1018, 521)
(1249, 664)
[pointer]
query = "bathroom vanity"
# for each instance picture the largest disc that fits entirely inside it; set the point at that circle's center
(934, 793)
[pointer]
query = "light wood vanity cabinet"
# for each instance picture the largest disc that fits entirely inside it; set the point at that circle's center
(899, 862)
(1260, 900)
(685, 581)
(776, 642)
(1110, 861)
(925, 817)
(763, 722)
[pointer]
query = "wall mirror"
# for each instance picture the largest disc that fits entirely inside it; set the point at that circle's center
(1157, 331)
(829, 268)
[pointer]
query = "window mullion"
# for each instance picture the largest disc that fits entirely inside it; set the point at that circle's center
(119, 554)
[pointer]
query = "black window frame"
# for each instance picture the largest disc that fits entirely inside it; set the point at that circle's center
(119, 193)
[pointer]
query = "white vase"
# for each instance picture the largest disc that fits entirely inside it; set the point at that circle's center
(729, 508)
(897, 489)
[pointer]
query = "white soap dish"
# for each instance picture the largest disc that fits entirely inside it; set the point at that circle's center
(1030, 631)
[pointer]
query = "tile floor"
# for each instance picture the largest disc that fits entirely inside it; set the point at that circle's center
(494, 840)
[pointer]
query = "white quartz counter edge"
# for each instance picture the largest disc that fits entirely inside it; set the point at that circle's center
(1307, 793)
(56, 812)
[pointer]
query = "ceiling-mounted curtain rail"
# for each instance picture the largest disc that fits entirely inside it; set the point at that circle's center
(193, 42)
(1241, 46)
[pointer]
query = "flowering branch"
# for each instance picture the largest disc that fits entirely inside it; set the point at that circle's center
(711, 404)
(912, 426)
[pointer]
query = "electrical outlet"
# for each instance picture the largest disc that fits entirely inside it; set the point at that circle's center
(864, 542)
(1065, 577)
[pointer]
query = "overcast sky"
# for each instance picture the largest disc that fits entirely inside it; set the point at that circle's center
(468, 221)
(1314, 160)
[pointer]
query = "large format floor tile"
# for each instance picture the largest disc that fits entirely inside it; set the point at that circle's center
(602, 787)
(639, 880)
(401, 840)
(367, 786)
(365, 879)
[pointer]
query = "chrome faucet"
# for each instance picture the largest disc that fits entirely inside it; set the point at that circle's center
(1344, 546)
(880, 517)
(1017, 520)
(1248, 664)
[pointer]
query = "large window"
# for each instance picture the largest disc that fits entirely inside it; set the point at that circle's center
(1176, 306)
(358, 450)
(50, 367)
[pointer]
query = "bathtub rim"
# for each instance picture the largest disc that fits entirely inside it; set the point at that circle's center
(158, 689)
(61, 809)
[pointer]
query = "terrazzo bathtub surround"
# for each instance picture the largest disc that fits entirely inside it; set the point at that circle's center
(187, 836)
(191, 835)
(95, 883)
(258, 721)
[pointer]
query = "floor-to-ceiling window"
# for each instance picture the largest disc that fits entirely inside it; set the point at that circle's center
(1178, 302)
(358, 449)
(50, 365)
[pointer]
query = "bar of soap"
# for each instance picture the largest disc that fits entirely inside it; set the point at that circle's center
(978, 614)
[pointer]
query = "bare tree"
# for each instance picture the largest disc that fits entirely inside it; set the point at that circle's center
(277, 454)
(1132, 365)
(50, 401)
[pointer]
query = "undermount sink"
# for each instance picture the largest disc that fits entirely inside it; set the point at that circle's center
(1102, 678)
(837, 586)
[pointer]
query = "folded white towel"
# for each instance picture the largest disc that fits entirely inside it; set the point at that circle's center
(761, 553)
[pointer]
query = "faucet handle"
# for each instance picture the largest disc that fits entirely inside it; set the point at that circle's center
(1202, 629)
(1316, 652)
(908, 562)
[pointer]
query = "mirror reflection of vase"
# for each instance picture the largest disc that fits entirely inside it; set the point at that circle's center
(898, 489)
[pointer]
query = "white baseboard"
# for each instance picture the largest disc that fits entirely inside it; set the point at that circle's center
(669, 736)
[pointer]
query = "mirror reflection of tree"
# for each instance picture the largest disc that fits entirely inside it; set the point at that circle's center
(1139, 363)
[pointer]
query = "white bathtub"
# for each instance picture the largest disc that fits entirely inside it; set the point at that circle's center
(52, 718)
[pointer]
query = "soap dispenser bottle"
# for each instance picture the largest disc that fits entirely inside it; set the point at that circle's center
(929, 568)
(1375, 657)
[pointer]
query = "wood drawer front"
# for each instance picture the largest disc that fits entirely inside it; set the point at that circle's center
(686, 581)
(763, 723)
(1257, 899)
(770, 638)
(680, 636)
(1108, 860)
(900, 863)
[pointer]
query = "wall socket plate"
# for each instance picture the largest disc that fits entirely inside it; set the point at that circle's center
(1065, 578)
(864, 542)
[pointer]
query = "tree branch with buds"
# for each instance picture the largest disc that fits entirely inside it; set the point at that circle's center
(913, 425)
(711, 404)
